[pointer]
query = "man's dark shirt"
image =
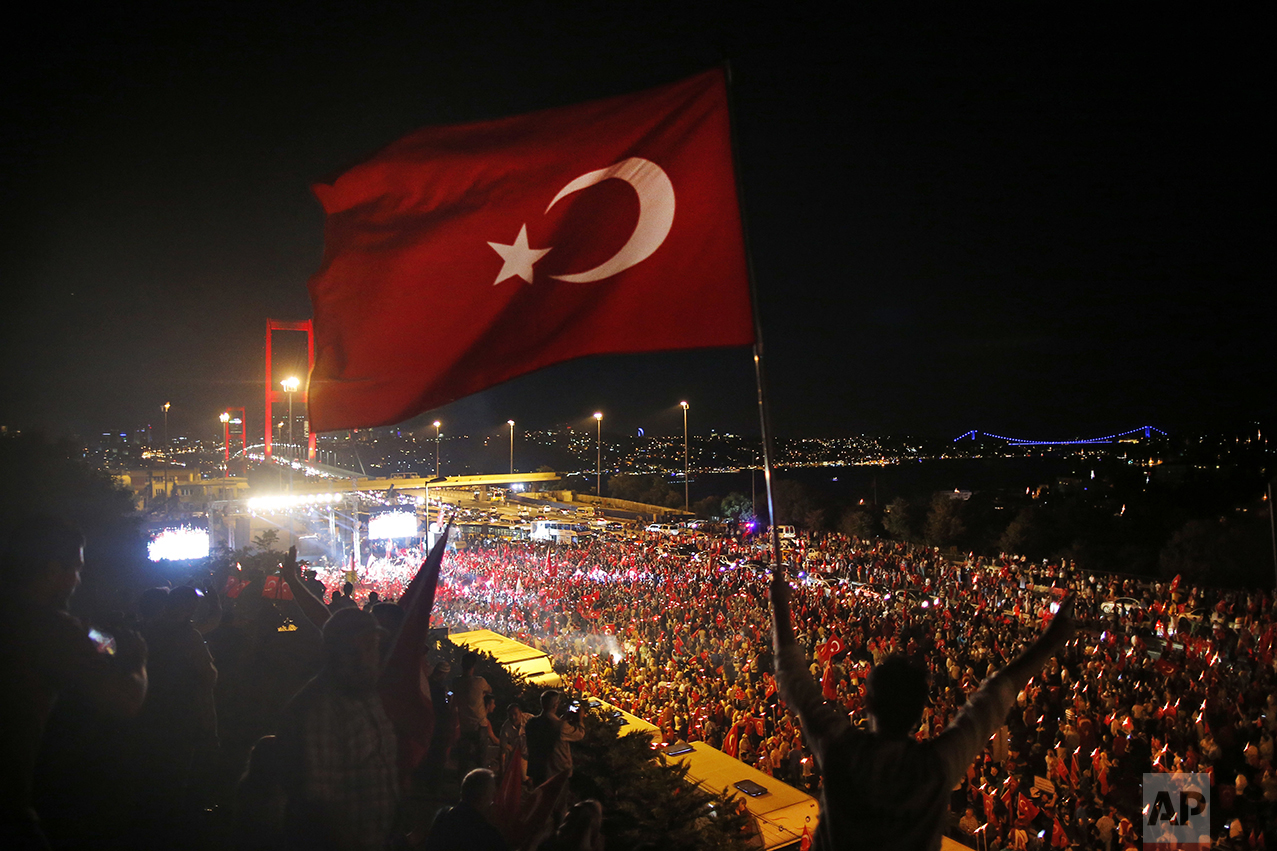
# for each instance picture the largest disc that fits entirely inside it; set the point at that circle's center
(43, 652)
(542, 735)
(463, 828)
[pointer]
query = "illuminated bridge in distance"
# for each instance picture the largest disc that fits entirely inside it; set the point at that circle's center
(1146, 432)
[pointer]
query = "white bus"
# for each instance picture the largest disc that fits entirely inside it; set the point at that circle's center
(558, 531)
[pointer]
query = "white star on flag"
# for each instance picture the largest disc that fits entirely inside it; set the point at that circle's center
(518, 257)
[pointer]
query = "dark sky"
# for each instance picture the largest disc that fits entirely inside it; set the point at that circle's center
(1050, 225)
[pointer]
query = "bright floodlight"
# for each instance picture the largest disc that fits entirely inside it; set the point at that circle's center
(509, 422)
(683, 405)
(224, 417)
(178, 544)
(392, 524)
(598, 415)
(436, 423)
(290, 385)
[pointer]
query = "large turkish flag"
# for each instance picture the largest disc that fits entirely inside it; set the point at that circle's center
(460, 257)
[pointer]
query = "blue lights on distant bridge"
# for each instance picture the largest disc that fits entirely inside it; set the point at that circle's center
(1145, 431)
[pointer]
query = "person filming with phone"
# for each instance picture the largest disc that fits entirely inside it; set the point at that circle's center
(45, 651)
(549, 736)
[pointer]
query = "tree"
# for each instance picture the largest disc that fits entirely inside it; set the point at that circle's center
(795, 505)
(1224, 552)
(858, 523)
(944, 521)
(266, 540)
(901, 520)
(1023, 533)
(738, 507)
(647, 801)
(708, 508)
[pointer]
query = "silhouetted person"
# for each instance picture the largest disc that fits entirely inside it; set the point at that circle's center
(884, 789)
(44, 651)
(339, 747)
(581, 830)
(466, 827)
(344, 599)
(468, 692)
(548, 736)
(260, 800)
(177, 728)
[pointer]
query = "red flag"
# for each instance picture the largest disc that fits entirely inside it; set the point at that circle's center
(1059, 839)
(406, 707)
(1009, 795)
(276, 588)
(234, 585)
(507, 804)
(829, 683)
(538, 808)
(805, 843)
(460, 257)
(1028, 810)
(825, 651)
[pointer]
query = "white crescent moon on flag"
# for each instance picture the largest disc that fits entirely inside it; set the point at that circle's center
(656, 214)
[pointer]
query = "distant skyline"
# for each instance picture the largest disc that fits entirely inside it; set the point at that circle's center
(1036, 222)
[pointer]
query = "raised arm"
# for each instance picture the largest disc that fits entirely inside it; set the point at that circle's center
(1022, 668)
(212, 605)
(986, 710)
(821, 721)
(312, 607)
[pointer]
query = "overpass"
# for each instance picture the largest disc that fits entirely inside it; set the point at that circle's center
(324, 478)
(354, 482)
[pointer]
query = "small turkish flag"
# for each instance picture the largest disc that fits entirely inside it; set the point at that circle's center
(277, 589)
(460, 257)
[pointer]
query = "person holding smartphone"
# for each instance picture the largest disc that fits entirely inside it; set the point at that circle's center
(44, 652)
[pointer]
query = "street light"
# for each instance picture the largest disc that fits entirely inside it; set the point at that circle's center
(437, 424)
(510, 423)
(598, 458)
(290, 386)
(687, 501)
(225, 417)
(166, 407)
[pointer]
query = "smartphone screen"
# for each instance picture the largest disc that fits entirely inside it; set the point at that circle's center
(104, 643)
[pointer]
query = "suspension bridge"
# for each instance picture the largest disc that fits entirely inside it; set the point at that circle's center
(1146, 432)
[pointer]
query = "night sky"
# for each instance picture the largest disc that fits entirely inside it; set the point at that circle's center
(1049, 225)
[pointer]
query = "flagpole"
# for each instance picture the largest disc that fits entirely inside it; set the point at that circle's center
(760, 372)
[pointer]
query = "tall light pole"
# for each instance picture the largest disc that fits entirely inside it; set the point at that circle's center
(687, 500)
(437, 424)
(290, 386)
(510, 423)
(166, 407)
(598, 458)
(225, 417)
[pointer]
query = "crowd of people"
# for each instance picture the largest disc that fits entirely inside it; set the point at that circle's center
(1158, 678)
